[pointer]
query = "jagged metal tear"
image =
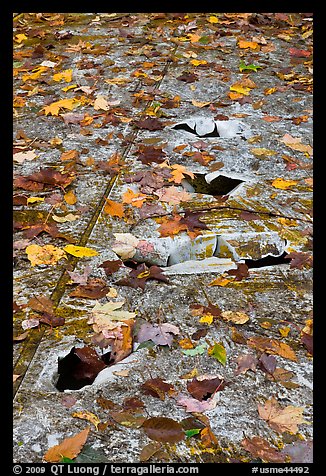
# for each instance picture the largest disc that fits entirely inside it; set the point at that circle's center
(208, 127)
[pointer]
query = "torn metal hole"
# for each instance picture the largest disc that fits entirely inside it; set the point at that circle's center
(219, 186)
(269, 260)
(207, 127)
(78, 369)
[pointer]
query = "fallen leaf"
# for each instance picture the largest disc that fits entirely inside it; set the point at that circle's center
(20, 157)
(149, 154)
(47, 254)
(150, 123)
(101, 103)
(69, 447)
(106, 317)
(219, 281)
(246, 362)
(66, 218)
(15, 377)
(283, 184)
(300, 260)
(111, 266)
(237, 317)
(163, 429)
(80, 251)
(65, 75)
(56, 106)
(202, 388)
(70, 198)
(135, 199)
(299, 53)
(198, 350)
(113, 208)
(78, 278)
(188, 77)
(193, 405)
(96, 288)
(272, 346)
(178, 173)
(200, 103)
(125, 245)
(172, 195)
(89, 416)
(240, 273)
(138, 277)
(149, 450)
(161, 334)
(35, 200)
(260, 448)
(295, 144)
(45, 177)
(128, 419)
(260, 151)
(281, 419)
(218, 352)
(69, 155)
(208, 439)
(248, 44)
(156, 387)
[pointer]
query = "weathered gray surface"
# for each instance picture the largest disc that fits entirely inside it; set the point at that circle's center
(278, 294)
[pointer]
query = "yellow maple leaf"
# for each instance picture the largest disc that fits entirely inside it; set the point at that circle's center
(47, 254)
(20, 37)
(80, 251)
(55, 107)
(196, 62)
(207, 318)
(35, 199)
(213, 19)
(36, 73)
(220, 281)
(283, 184)
(235, 96)
(68, 88)
(240, 89)
(65, 75)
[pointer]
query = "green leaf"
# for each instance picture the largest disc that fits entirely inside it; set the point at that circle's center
(218, 352)
(91, 455)
(147, 344)
(64, 459)
(192, 432)
(248, 67)
(204, 40)
(200, 349)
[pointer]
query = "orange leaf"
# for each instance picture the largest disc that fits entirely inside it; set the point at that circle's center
(114, 209)
(135, 199)
(248, 44)
(70, 155)
(70, 447)
(70, 198)
(178, 173)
